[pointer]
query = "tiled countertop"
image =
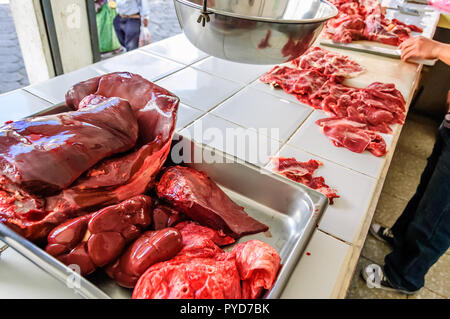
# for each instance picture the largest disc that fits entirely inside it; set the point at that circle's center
(222, 94)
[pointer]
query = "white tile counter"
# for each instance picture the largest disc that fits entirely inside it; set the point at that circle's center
(223, 95)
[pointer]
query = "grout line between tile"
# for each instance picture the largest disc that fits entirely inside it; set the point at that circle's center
(337, 238)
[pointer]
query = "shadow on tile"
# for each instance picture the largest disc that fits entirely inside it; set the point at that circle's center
(425, 293)
(389, 208)
(374, 250)
(418, 136)
(438, 277)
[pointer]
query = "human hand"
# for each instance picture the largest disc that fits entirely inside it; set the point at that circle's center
(145, 22)
(419, 47)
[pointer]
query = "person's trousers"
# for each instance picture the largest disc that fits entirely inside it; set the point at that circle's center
(128, 31)
(422, 232)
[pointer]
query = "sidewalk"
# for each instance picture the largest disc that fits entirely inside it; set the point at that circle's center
(163, 24)
(12, 70)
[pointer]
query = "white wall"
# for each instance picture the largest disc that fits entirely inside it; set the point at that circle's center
(30, 28)
(72, 30)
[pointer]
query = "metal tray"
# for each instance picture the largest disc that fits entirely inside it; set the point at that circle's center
(291, 210)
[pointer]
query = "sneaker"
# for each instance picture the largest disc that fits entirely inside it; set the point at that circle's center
(374, 277)
(382, 233)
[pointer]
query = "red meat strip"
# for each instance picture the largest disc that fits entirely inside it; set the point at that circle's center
(353, 135)
(364, 20)
(195, 194)
(328, 63)
(302, 172)
(97, 239)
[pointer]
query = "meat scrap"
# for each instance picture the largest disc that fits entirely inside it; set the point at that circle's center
(365, 20)
(302, 172)
(201, 270)
(196, 195)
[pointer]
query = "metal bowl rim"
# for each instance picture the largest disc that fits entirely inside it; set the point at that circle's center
(263, 19)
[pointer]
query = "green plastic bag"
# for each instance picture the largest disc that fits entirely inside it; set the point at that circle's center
(107, 38)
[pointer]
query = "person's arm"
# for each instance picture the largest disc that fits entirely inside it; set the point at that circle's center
(145, 11)
(424, 48)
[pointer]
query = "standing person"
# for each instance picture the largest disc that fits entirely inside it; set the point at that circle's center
(421, 235)
(127, 23)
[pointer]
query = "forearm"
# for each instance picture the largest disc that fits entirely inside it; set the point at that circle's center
(443, 52)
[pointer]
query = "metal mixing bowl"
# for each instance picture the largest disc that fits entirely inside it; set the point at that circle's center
(254, 31)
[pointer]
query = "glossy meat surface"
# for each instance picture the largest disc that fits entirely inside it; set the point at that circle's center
(150, 248)
(105, 181)
(195, 194)
(97, 239)
(45, 154)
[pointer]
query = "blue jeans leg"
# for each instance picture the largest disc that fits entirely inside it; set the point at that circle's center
(119, 31)
(132, 30)
(423, 231)
(128, 31)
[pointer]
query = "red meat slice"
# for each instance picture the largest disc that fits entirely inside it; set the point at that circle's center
(195, 194)
(328, 63)
(302, 172)
(352, 135)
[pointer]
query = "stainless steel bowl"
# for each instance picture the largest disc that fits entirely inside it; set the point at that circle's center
(254, 31)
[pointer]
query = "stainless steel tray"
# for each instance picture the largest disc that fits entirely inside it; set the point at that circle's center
(291, 211)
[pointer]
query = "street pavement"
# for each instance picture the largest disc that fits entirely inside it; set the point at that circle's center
(12, 70)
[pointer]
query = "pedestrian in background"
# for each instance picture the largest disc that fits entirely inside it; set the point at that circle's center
(127, 23)
(105, 14)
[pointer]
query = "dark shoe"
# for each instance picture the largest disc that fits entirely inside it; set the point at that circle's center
(374, 277)
(382, 233)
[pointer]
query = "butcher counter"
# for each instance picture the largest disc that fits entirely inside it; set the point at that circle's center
(223, 95)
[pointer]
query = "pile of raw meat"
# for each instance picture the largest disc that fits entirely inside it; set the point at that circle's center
(357, 114)
(302, 172)
(89, 186)
(365, 20)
